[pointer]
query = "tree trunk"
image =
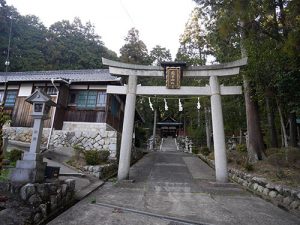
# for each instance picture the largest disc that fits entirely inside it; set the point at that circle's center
(282, 18)
(207, 128)
(255, 145)
(293, 129)
(271, 123)
(154, 130)
(1, 135)
(283, 131)
(241, 136)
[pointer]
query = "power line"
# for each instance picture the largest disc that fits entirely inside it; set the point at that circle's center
(8, 47)
(127, 13)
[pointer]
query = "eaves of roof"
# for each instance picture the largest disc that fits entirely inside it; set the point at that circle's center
(95, 75)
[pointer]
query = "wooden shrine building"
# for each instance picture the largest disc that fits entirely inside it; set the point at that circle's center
(169, 127)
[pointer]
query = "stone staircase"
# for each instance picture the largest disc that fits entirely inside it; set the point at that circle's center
(169, 144)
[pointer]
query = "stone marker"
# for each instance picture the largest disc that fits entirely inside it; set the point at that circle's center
(31, 168)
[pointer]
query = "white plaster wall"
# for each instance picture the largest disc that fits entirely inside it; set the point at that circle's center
(25, 90)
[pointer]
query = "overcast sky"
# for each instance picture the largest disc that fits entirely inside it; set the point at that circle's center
(160, 22)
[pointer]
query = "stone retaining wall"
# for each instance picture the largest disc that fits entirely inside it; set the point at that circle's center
(40, 201)
(95, 139)
(282, 196)
(101, 171)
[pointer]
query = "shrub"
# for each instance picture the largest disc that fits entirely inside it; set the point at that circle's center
(4, 175)
(91, 157)
(95, 157)
(241, 148)
(14, 155)
(78, 150)
(205, 151)
(103, 155)
(195, 150)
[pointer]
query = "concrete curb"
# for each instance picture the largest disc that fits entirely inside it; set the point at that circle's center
(88, 190)
(72, 174)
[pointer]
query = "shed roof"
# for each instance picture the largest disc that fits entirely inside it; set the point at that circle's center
(73, 75)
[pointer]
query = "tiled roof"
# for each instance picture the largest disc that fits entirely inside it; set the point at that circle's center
(73, 75)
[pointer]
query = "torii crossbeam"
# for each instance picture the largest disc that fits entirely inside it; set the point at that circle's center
(213, 89)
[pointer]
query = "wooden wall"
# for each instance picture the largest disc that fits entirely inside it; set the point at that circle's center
(21, 115)
(117, 120)
(77, 115)
(21, 112)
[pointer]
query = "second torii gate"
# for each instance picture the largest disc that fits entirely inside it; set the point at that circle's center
(213, 89)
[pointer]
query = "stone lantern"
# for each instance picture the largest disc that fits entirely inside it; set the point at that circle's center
(32, 168)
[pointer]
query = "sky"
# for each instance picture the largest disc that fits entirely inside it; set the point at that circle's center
(160, 22)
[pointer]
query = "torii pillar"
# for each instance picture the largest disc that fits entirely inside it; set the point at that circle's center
(218, 131)
(128, 124)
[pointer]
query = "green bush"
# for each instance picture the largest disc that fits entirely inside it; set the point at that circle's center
(205, 151)
(241, 148)
(95, 157)
(140, 137)
(14, 155)
(4, 175)
(195, 150)
(78, 150)
(103, 155)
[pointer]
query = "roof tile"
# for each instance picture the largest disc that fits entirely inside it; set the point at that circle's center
(73, 75)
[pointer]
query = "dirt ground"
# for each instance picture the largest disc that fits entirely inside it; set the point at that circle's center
(281, 166)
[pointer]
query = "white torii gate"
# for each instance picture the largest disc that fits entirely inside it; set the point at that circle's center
(213, 89)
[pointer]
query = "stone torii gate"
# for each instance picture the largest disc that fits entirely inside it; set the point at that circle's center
(214, 90)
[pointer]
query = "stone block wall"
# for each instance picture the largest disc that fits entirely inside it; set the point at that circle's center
(101, 137)
(37, 202)
(24, 134)
(99, 140)
(280, 195)
(101, 171)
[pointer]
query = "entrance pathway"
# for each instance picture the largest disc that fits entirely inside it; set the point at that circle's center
(173, 188)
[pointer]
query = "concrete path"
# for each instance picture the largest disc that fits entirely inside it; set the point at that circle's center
(173, 188)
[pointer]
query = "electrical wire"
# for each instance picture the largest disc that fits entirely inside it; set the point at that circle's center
(127, 13)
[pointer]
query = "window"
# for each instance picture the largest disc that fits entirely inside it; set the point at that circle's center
(87, 99)
(91, 99)
(1, 96)
(49, 90)
(115, 106)
(81, 99)
(101, 99)
(10, 98)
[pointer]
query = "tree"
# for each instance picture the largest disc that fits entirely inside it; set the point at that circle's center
(268, 31)
(134, 50)
(27, 40)
(65, 45)
(75, 46)
(193, 46)
(160, 54)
